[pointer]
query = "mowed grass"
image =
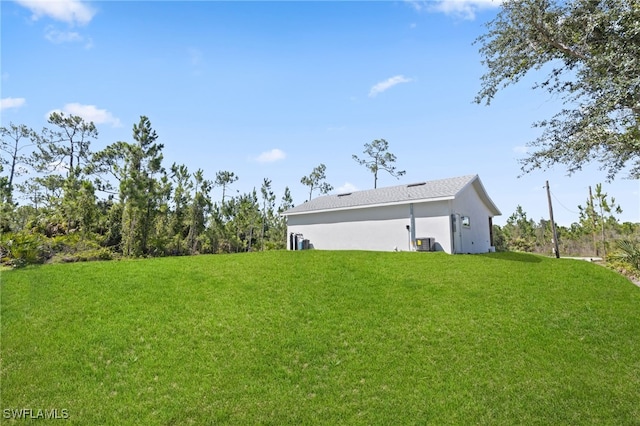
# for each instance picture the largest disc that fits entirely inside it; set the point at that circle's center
(320, 337)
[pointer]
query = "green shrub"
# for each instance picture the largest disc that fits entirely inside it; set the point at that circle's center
(628, 252)
(20, 249)
(76, 248)
(100, 253)
(73, 243)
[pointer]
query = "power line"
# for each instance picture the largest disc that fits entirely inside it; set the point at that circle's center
(562, 205)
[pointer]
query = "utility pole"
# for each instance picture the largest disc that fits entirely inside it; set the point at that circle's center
(604, 241)
(553, 223)
(592, 213)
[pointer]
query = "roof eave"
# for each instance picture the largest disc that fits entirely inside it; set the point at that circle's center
(362, 206)
(484, 195)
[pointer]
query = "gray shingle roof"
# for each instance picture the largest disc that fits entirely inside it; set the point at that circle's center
(442, 188)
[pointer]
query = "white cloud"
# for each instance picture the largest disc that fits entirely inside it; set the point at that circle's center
(271, 156)
(465, 9)
(89, 113)
(520, 149)
(6, 103)
(56, 36)
(69, 11)
(388, 84)
(416, 4)
(57, 167)
(59, 37)
(347, 187)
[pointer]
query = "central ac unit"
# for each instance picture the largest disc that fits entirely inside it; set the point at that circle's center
(425, 244)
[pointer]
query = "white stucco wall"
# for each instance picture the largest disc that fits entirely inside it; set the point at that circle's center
(433, 221)
(476, 237)
(381, 228)
(438, 228)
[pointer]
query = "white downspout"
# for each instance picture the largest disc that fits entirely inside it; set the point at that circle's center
(413, 227)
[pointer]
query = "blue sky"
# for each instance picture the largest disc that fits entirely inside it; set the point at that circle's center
(273, 89)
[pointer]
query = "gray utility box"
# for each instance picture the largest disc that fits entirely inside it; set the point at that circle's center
(425, 244)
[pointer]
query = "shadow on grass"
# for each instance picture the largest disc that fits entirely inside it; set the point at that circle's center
(514, 257)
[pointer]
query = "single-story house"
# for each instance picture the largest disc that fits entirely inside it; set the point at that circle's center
(452, 215)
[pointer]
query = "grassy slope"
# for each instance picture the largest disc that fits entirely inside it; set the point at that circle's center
(324, 337)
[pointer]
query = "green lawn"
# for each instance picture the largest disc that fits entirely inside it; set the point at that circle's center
(320, 337)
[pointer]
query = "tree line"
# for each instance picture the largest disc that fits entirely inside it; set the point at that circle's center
(144, 208)
(597, 233)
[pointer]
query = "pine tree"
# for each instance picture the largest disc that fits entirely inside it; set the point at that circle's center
(139, 188)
